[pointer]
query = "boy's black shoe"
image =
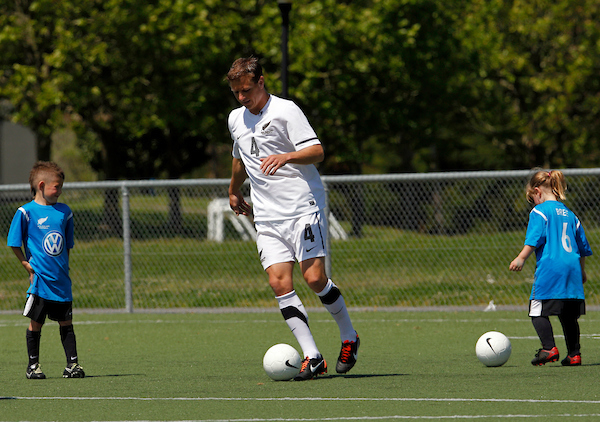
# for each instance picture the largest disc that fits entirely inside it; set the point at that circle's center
(571, 361)
(348, 356)
(74, 370)
(311, 368)
(34, 372)
(544, 356)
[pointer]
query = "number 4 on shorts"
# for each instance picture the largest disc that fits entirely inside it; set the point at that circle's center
(308, 234)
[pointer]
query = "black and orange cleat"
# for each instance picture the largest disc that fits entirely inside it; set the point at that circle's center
(311, 368)
(542, 356)
(348, 356)
(571, 361)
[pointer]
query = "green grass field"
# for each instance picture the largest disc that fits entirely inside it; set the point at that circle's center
(208, 367)
(385, 268)
(388, 265)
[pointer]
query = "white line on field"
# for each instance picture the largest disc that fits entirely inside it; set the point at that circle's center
(13, 323)
(9, 323)
(315, 399)
(378, 418)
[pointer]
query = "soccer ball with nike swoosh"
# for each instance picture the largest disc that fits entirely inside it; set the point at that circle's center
(282, 362)
(493, 348)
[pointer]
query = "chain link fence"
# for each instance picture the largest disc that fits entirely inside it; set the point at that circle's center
(404, 240)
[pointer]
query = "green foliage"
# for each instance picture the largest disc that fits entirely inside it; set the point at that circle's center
(390, 86)
(376, 77)
(140, 82)
(29, 35)
(147, 88)
(537, 80)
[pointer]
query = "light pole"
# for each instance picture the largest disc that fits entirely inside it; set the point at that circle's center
(284, 6)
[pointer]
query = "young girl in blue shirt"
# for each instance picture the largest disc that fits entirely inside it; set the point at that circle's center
(556, 236)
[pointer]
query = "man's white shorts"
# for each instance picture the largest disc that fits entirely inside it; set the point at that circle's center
(295, 239)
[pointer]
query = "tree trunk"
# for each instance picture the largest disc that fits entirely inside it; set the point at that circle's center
(44, 145)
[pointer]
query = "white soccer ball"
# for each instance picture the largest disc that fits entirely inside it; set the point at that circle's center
(282, 362)
(493, 348)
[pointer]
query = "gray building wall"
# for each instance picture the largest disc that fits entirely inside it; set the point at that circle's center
(17, 153)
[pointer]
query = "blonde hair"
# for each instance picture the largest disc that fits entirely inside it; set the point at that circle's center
(551, 179)
(43, 170)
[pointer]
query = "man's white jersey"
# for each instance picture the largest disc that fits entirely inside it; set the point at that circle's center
(281, 127)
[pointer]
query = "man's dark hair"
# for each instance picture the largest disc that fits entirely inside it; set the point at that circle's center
(245, 66)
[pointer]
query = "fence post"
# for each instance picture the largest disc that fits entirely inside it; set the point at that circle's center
(327, 237)
(127, 249)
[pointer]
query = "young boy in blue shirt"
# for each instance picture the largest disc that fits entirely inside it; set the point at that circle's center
(44, 227)
(556, 236)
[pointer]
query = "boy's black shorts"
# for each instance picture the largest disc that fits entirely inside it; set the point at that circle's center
(564, 307)
(38, 308)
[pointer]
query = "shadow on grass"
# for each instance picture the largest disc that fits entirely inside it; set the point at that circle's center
(359, 376)
(87, 376)
(115, 375)
(561, 366)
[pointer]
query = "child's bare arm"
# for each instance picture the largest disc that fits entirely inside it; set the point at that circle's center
(583, 273)
(519, 261)
(21, 257)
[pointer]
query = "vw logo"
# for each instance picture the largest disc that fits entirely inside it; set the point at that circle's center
(53, 243)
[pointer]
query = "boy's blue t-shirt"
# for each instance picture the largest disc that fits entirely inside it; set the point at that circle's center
(560, 241)
(46, 232)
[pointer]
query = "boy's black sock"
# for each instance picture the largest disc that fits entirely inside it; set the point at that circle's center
(543, 328)
(33, 346)
(67, 336)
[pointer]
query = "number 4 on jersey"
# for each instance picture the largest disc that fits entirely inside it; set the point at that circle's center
(254, 148)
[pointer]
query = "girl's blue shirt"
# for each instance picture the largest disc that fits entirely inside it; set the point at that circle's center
(559, 241)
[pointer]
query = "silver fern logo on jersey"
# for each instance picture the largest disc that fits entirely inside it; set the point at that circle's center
(266, 130)
(41, 222)
(53, 243)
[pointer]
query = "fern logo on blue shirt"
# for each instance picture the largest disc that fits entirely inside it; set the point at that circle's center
(41, 222)
(53, 243)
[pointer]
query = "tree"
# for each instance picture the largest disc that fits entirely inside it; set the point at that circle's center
(390, 85)
(147, 88)
(537, 88)
(151, 87)
(378, 80)
(141, 82)
(29, 80)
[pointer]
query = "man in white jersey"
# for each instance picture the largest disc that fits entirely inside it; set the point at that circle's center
(275, 146)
